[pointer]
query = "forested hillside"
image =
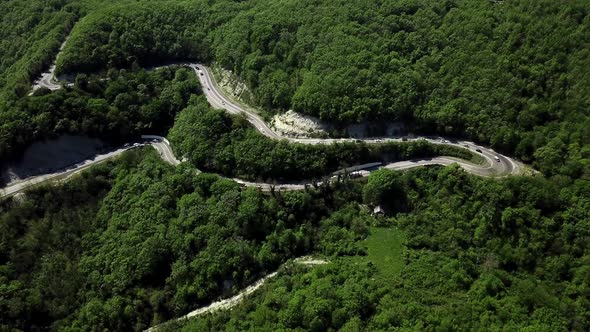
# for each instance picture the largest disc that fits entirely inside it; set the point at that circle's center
(119, 109)
(215, 141)
(510, 73)
(479, 255)
(121, 36)
(30, 35)
(135, 242)
(146, 242)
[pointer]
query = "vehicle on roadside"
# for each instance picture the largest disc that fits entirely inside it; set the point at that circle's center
(465, 145)
(404, 139)
(497, 158)
(356, 174)
(478, 150)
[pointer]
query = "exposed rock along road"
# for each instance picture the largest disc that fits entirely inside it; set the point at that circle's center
(501, 166)
(493, 167)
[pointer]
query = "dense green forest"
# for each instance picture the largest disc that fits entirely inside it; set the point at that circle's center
(135, 242)
(215, 141)
(479, 254)
(511, 74)
(119, 109)
(30, 35)
(132, 243)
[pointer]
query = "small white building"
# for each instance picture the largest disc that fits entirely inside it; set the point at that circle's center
(378, 211)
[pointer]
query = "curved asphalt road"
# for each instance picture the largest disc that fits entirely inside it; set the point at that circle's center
(504, 166)
(217, 98)
(492, 167)
(48, 79)
(159, 144)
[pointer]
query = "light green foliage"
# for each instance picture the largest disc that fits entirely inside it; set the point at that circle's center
(341, 232)
(384, 250)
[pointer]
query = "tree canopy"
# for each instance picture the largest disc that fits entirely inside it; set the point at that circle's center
(479, 254)
(134, 242)
(510, 74)
(215, 141)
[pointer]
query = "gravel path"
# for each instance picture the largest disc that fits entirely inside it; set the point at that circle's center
(235, 300)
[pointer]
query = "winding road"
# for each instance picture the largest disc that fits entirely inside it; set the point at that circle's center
(159, 143)
(48, 79)
(493, 167)
(494, 164)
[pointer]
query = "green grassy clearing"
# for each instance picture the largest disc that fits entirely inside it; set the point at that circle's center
(384, 247)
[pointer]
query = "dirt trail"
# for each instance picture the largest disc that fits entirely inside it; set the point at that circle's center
(235, 300)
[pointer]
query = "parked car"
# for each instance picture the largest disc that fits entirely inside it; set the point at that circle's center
(478, 150)
(497, 158)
